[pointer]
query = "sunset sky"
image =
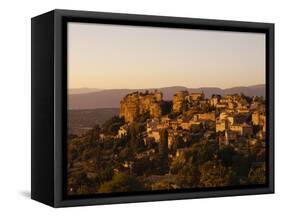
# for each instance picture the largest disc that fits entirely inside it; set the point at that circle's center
(117, 57)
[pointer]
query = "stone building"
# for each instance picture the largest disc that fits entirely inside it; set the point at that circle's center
(196, 97)
(135, 104)
(242, 129)
(215, 99)
(206, 116)
(221, 125)
(179, 101)
(123, 131)
(228, 138)
(259, 119)
(155, 134)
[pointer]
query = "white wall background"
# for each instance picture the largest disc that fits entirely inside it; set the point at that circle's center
(15, 106)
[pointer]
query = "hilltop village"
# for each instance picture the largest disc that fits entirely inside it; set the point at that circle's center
(232, 117)
(189, 142)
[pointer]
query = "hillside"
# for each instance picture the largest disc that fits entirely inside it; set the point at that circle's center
(81, 120)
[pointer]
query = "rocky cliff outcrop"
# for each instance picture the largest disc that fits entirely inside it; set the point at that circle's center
(135, 104)
(179, 101)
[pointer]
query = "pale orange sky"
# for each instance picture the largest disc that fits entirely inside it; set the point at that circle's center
(115, 56)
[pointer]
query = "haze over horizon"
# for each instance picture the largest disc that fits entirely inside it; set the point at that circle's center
(107, 56)
(76, 88)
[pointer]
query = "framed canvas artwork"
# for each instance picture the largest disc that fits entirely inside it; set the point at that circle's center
(134, 108)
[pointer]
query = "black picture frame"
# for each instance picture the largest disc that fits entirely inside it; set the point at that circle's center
(49, 105)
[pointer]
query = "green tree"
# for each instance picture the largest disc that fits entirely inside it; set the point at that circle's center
(166, 107)
(214, 174)
(226, 154)
(163, 151)
(121, 182)
(143, 117)
(206, 151)
(179, 142)
(142, 167)
(163, 145)
(126, 154)
(112, 125)
(95, 133)
(241, 165)
(195, 128)
(257, 174)
(190, 175)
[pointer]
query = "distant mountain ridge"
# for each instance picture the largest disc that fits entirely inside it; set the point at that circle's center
(83, 90)
(111, 98)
